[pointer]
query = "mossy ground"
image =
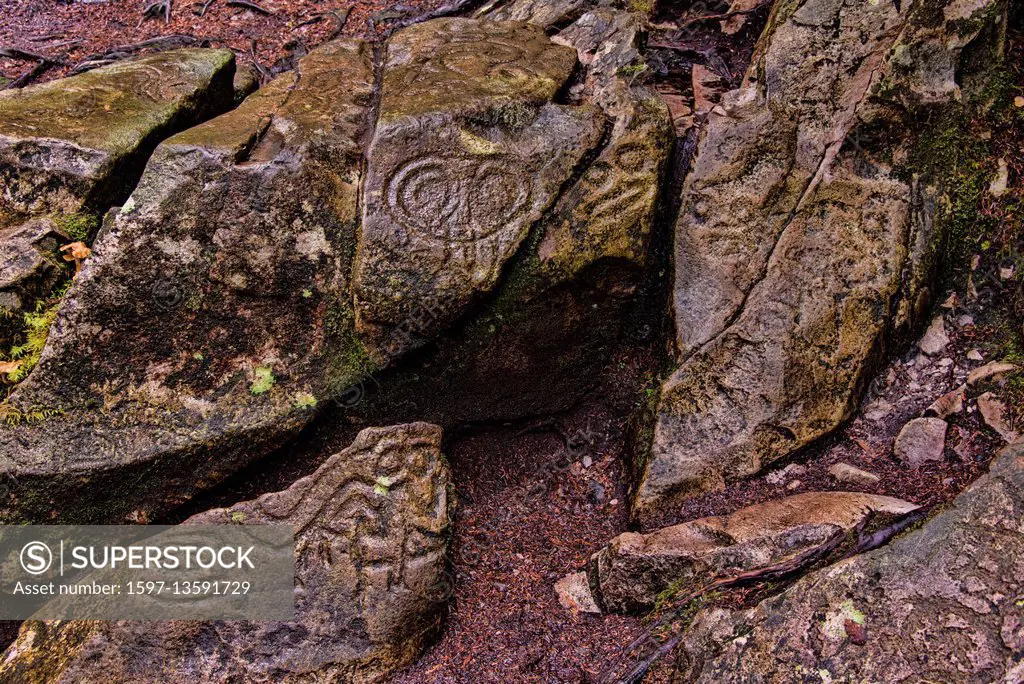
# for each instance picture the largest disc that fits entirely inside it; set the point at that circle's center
(29, 347)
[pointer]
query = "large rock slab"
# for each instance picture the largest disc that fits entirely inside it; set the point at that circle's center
(634, 569)
(467, 155)
(214, 313)
(802, 251)
(72, 148)
(555, 317)
(369, 559)
(79, 143)
(941, 603)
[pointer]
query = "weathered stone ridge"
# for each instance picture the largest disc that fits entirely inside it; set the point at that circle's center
(633, 570)
(941, 603)
(369, 560)
(801, 249)
(79, 143)
(468, 154)
(215, 311)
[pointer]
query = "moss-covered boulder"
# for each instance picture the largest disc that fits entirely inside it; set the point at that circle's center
(78, 144)
(369, 561)
(940, 604)
(805, 243)
(214, 313)
(72, 148)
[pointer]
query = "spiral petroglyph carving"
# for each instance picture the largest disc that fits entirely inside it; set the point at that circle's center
(457, 199)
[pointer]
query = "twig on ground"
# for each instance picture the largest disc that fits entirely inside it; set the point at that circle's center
(32, 74)
(25, 55)
(798, 563)
(250, 6)
(155, 9)
(341, 16)
(315, 19)
(775, 570)
(261, 70)
(709, 17)
(206, 6)
(160, 43)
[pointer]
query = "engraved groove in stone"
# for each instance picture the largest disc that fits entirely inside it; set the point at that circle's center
(458, 199)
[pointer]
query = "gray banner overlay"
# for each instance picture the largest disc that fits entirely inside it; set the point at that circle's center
(147, 572)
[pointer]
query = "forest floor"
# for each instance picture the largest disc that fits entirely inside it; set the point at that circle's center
(535, 499)
(71, 32)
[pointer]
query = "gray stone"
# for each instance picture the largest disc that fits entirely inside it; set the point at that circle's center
(245, 83)
(370, 571)
(30, 266)
(935, 339)
(574, 593)
(848, 474)
(801, 253)
(213, 315)
(940, 604)
(920, 441)
(994, 412)
(634, 569)
(990, 372)
(948, 404)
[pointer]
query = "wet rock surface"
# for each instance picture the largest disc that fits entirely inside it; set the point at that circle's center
(369, 560)
(940, 603)
(635, 569)
(785, 301)
(213, 314)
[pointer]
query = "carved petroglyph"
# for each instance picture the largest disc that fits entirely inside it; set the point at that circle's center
(377, 511)
(464, 65)
(454, 199)
(466, 157)
(371, 536)
(609, 212)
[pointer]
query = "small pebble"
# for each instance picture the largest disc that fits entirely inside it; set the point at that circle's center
(975, 355)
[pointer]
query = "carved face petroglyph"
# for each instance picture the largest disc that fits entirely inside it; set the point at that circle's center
(458, 199)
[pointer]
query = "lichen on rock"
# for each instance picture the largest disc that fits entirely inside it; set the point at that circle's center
(803, 248)
(193, 296)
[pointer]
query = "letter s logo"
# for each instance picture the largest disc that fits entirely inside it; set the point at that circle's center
(36, 558)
